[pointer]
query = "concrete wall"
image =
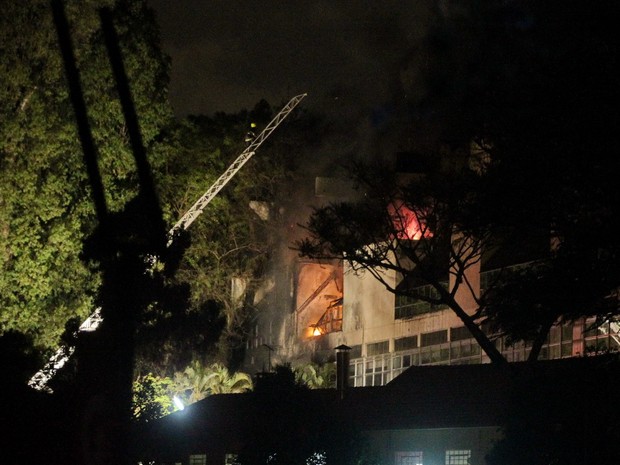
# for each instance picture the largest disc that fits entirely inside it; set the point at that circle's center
(368, 311)
(368, 308)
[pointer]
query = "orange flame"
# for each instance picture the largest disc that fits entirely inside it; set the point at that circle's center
(406, 223)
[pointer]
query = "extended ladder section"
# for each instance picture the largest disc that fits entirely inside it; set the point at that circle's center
(61, 356)
(241, 160)
(613, 332)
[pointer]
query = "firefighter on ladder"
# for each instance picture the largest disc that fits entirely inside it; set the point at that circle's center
(250, 136)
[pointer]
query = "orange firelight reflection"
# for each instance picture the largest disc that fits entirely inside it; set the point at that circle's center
(406, 222)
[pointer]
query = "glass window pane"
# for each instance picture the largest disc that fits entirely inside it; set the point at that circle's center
(377, 348)
(405, 343)
(458, 457)
(198, 459)
(425, 357)
(409, 458)
(554, 352)
(554, 335)
(455, 351)
(567, 349)
(567, 332)
(436, 337)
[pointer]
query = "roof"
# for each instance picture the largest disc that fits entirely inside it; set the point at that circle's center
(420, 398)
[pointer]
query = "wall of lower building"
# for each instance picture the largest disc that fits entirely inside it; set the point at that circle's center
(454, 446)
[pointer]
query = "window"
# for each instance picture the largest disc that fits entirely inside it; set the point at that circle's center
(408, 306)
(437, 354)
(356, 373)
(409, 458)
(405, 343)
(377, 348)
(458, 457)
(460, 333)
(198, 459)
(433, 338)
(355, 352)
(231, 459)
(377, 372)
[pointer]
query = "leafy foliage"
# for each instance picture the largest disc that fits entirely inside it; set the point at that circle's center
(198, 381)
(232, 240)
(316, 376)
(151, 398)
(45, 205)
(18, 358)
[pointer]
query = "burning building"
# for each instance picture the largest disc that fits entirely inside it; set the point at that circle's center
(316, 306)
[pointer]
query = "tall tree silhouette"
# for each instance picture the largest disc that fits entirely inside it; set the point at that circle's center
(122, 245)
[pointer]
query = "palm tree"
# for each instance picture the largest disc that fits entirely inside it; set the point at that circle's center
(198, 381)
(220, 381)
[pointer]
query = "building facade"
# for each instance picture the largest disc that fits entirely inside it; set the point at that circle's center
(322, 305)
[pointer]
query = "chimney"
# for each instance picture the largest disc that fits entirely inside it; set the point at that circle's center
(342, 368)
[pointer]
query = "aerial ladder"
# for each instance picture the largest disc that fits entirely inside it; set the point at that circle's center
(613, 331)
(40, 379)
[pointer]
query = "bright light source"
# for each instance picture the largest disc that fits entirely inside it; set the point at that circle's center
(316, 332)
(178, 403)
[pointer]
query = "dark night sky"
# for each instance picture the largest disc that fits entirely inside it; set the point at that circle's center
(350, 57)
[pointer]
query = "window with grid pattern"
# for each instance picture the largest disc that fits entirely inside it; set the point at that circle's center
(198, 459)
(377, 348)
(460, 333)
(409, 458)
(436, 337)
(458, 457)
(404, 343)
(377, 371)
(355, 352)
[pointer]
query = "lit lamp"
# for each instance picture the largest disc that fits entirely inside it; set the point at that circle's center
(178, 403)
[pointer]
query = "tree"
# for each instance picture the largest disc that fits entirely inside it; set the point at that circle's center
(151, 398)
(45, 206)
(545, 116)
(520, 157)
(221, 381)
(316, 376)
(198, 381)
(418, 230)
(233, 239)
(18, 358)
